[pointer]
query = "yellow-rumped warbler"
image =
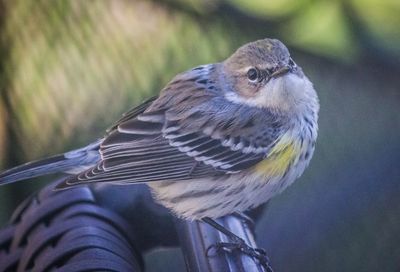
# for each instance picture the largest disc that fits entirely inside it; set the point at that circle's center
(219, 138)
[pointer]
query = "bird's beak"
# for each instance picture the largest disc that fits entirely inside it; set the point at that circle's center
(281, 72)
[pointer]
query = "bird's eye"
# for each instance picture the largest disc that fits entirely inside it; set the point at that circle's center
(253, 74)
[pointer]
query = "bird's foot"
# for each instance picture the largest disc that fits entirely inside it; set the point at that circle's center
(239, 244)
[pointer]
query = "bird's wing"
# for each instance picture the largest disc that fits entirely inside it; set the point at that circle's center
(132, 113)
(191, 133)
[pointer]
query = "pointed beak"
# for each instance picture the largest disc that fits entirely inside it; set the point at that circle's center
(281, 72)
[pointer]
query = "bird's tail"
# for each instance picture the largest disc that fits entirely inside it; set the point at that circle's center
(70, 162)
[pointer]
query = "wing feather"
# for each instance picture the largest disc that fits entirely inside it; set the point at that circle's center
(174, 137)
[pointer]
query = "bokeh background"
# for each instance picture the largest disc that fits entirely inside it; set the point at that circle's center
(68, 69)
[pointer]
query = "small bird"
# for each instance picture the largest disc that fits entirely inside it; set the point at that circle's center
(219, 138)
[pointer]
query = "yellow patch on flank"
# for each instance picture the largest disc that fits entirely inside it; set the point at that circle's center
(279, 158)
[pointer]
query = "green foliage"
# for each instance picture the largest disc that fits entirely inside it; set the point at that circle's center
(273, 9)
(323, 29)
(381, 21)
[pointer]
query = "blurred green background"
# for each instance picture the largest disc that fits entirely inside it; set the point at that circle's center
(68, 69)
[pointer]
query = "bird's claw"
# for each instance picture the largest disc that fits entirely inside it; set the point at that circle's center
(257, 253)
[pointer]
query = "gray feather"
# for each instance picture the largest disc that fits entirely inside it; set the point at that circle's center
(70, 162)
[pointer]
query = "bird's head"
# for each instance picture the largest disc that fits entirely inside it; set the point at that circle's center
(263, 74)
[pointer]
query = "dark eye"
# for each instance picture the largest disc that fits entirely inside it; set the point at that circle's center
(253, 74)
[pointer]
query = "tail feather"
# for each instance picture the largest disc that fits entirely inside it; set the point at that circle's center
(77, 159)
(28, 170)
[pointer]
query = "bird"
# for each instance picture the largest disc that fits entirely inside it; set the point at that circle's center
(219, 138)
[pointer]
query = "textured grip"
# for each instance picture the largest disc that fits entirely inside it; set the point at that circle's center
(67, 231)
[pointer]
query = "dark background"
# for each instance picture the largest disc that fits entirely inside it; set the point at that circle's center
(68, 69)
